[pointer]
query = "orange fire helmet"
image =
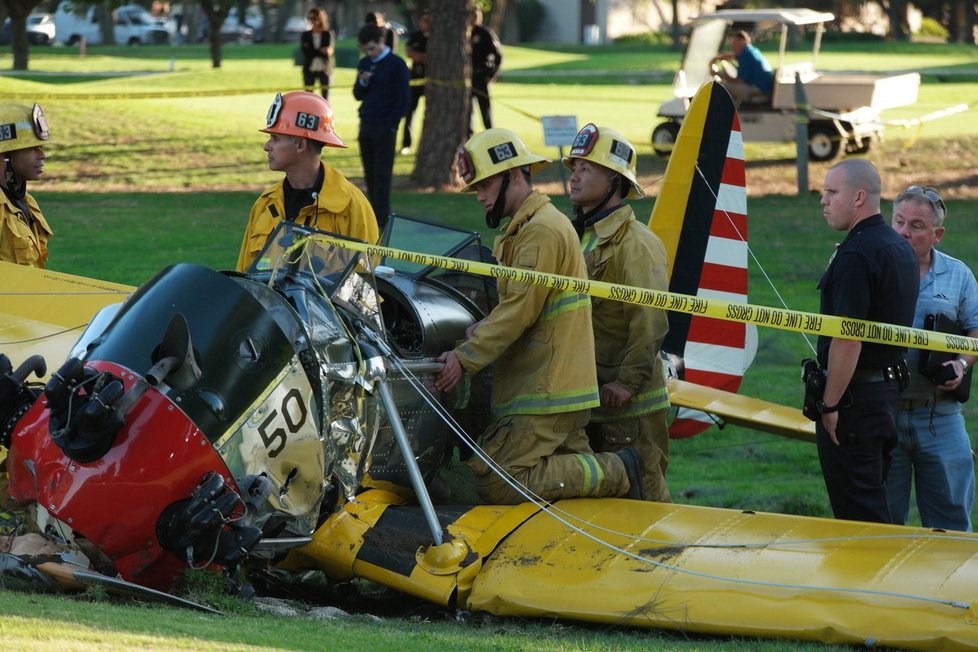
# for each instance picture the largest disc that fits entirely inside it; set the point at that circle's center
(303, 114)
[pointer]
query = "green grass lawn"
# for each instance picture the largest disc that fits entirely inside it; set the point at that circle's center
(160, 118)
(134, 184)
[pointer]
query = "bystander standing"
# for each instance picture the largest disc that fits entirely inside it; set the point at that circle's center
(872, 275)
(933, 451)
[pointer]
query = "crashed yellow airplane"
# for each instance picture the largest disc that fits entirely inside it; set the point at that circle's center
(284, 419)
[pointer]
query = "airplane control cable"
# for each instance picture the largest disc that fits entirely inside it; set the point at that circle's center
(750, 250)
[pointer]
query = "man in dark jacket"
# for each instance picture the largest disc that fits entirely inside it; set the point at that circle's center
(382, 89)
(872, 275)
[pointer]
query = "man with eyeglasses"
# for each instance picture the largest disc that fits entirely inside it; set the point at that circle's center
(933, 448)
(871, 276)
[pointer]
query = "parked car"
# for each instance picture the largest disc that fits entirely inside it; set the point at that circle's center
(235, 31)
(294, 27)
(845, 107)
(397, 27)
(40, 30)
(133, 25)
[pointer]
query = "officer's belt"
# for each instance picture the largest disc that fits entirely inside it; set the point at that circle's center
(889, 374)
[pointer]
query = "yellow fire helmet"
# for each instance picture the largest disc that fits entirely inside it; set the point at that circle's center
(22, 126)
(493, 151)
(607, 148)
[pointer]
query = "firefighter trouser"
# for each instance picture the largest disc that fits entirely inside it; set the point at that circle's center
(549, 455)
(649, 435)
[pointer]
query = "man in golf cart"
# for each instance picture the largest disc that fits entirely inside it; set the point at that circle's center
(753, 78)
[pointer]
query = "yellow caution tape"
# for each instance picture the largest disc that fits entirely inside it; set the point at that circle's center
(148, 95)
(792, 320)
(223, 92)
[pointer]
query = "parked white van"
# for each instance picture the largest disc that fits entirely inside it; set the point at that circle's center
(133, 25)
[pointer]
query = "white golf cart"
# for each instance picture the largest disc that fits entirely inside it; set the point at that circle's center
(844, 107)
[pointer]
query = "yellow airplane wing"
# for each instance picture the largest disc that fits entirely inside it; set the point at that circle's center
(742, 410)
(658, 565)
(44, 312)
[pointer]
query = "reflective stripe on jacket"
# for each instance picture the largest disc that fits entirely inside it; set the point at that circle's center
(539, 338)
(340, 208)
(628, 337)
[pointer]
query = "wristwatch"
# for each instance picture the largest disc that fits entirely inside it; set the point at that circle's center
(822, 408)
(964, 364)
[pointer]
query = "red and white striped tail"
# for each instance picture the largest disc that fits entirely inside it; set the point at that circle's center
(710, 251)
(717, 351)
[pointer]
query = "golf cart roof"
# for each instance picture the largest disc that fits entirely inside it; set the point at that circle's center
(785, 16)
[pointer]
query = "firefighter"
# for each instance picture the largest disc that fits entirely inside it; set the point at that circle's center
(628, 338)
(299, 124)
(24, 232)
(544, 382)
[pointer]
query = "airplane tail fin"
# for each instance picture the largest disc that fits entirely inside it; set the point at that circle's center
(701, 217)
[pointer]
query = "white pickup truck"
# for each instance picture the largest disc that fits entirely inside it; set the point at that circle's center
(844, 107)
(132, 25)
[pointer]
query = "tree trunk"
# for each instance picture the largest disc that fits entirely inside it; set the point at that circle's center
(958, 21)
(897, 12)
(970, 23)
(677, 37)
(216, 14)
(19, 10)
(446, 113)
(498, 15)
(106, 22)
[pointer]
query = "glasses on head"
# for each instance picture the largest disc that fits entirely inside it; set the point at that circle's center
(930, 195)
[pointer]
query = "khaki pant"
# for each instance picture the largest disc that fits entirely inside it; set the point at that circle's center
(549, 455)
(649, 435)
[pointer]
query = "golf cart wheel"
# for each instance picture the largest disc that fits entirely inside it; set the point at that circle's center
(664, 138)
(823, 142)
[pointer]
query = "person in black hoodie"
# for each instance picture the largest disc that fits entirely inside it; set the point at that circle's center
(487, 57)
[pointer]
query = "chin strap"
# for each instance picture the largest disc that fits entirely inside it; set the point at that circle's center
(583, 219)
(10, 175)
(16, 192)
(494, 216)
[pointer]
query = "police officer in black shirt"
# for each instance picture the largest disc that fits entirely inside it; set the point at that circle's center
(873, 275)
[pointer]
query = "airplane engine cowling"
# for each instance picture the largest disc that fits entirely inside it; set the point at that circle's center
(423, 319)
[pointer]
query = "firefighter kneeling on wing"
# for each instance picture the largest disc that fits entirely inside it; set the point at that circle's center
(539, 339)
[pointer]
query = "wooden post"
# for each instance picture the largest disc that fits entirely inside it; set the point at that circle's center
(801, 134)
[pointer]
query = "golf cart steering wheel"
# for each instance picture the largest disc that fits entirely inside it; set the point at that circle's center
(722, 69)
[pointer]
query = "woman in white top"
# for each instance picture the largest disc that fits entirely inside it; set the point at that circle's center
(317, 44)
